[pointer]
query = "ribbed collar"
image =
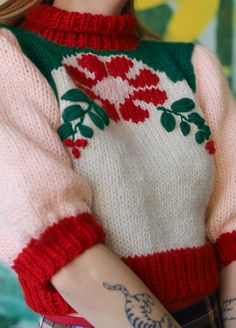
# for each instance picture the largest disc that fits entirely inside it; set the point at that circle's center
(83, 30)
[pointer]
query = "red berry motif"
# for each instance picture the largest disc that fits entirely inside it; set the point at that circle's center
(81, 143)
(69, 143)
(75, 145)
(76, 152)
(210, 146)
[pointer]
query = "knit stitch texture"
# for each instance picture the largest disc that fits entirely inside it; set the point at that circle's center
(137, 145)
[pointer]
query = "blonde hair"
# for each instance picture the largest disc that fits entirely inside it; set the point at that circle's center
(13, 10)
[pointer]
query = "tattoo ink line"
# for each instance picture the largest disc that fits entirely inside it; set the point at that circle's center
(138, 309)
(227, 307)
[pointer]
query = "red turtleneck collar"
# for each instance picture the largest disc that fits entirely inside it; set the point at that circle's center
(83, 30)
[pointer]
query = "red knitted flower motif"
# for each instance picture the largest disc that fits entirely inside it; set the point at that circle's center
(117, 83)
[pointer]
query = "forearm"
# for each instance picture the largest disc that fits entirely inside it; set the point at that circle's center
(108, 293)
(228, 295)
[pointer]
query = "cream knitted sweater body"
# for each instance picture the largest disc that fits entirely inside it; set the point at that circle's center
(134, 148)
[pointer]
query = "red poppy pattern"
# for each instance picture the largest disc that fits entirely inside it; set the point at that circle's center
(115, 83)
(118, 87)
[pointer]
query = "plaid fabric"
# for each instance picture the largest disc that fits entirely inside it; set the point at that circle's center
(204, 314)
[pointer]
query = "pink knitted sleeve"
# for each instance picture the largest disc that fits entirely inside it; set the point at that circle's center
(45, 218)
(219, 106)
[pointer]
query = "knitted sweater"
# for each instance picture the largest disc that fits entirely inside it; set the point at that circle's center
(106, 138)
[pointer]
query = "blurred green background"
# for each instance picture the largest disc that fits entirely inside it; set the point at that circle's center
(209, 22)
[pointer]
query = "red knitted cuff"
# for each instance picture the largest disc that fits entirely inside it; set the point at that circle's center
(226, 248)
(178, 277)
(42, 258)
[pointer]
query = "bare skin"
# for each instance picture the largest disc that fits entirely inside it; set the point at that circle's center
(105, 291)
(228, 295)
(104, 7)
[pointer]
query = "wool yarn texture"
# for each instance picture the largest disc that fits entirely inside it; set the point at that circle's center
(108, 138)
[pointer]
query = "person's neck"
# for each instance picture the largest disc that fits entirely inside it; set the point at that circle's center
(106, 8)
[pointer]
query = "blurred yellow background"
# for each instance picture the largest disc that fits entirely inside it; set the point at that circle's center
(209, 22)
(189, 18)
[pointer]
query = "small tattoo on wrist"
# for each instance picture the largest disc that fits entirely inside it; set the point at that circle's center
(229, 309)
(138, 309)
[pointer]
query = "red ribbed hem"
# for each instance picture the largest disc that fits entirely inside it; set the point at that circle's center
(226, 247)
(179, 277)
(42, 258)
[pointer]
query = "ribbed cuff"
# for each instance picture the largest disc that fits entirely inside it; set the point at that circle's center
(42, 258)
(178, 276)
(226, 248)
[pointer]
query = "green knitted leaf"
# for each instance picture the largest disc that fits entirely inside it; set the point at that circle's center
(200, 137)
(85, 131)
(168, 121)
(206, 131)
(96, 120)
(196, 118)
(161, 108)
(75, 95)
(102, 114)
(73, 112)
(185, 128)
(65, 131)
(183, 105)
